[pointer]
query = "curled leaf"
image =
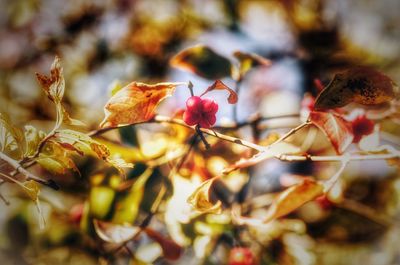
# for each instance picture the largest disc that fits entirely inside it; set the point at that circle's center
(135, 103)
(113, 233)
(55, 159)
(250, 60)
(361, 85)
(203, 61)
(218, 85)
(200, 199)
(54, 84)
(171, 250)
(338, 130)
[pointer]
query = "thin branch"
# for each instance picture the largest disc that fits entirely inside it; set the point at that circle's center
(28, 175)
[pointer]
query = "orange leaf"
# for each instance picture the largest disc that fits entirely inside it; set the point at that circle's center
(338, 130)
(171, 250)
(284, 203)
(218, 85)
(294, 197)
(362, 85)
(135, 103)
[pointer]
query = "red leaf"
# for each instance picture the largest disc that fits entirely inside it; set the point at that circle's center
(338, 130)
(218, 85)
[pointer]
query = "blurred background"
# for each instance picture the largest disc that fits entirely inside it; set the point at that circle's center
(107, 42)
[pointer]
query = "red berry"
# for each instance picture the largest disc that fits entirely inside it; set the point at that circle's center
(241, 256)
(362, 126)
(200, 112)
(209, 105)
(194, 104)
(191, 118)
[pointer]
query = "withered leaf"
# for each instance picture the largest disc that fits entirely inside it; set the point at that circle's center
(218, 85)
(114, 233)
(202, 61)
(200, 199)
(54, 84)
(171, 250)
(338, 130)
(361, 85)
(135, 103)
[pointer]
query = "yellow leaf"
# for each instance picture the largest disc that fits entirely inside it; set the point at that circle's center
(200, 199)
(250, 60)
(135, 103)
(32, 189)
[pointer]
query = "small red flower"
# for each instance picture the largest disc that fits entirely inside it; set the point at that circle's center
(200, 111)
(362, 126)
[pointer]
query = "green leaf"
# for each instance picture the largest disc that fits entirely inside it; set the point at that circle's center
(202, 61)
(128, 207)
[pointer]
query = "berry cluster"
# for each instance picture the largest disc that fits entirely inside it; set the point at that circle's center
(200, 111)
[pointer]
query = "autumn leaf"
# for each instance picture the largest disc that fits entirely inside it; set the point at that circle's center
(33, 138)
(54, 84)
(338, 130)
(84, 144)
(218, 85)
(55, 159)
(200, 199)
(12, 139)
(202, 61)
(114, 233)
(32, 189)
(293, 197)
(361, 85)
(249, 60)
(135, 103)
(285, 202)
(54, 87)
(171, 250)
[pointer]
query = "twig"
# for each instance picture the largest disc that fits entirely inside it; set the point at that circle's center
(203, 139)
(28, 175)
